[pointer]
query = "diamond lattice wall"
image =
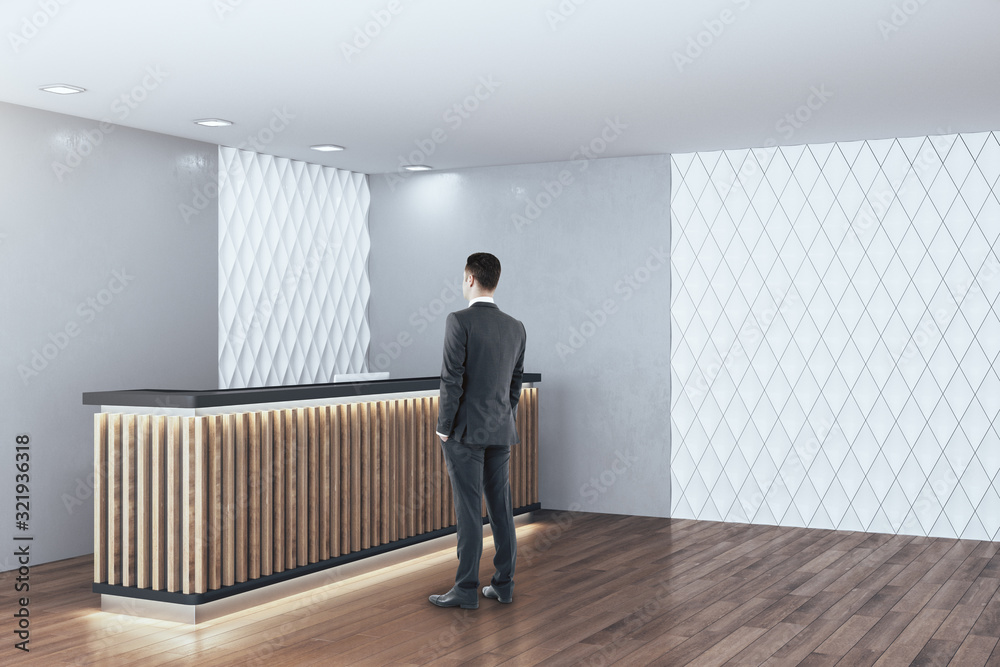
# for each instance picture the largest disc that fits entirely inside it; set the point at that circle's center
(293, 271)
(835, 336)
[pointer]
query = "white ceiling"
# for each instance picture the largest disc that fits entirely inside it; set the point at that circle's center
(564, 68)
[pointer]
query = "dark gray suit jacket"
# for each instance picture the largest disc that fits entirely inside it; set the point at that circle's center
(481, 376)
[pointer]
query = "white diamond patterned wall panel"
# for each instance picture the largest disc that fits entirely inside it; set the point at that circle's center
(293, 271)
(835, 331)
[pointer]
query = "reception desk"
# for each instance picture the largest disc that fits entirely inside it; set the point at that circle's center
(201, 495)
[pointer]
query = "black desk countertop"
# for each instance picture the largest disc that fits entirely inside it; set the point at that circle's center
(210, 398)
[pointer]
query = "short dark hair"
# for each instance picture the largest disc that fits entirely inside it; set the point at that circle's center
(485, 268)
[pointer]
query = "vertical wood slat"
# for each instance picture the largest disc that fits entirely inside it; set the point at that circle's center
(213, 500)
(384, 483)
(312, 504)
(175, 503)
(533, 435)
(142, 501)
(530, 449)
(101, 537)
(517, 457)
(190, 476)
(392, 513)
(128, 481)
(254, 488)
(449, 501)
(266, 494)
(402, 468)
(344, 416)
(524, 419)
(114, 499)
(325, 482)
(278, 489)
(158, 493)
(228, 499)
(411, 467)
(355, 410)
(441, 481)
(301, 446)
(526, 451)
(336, 493)
(420, 487)
(428, 484)
(375, 447)
(440, 472)
(240, 506)
(366, 475)
(291, 490)
(201, 503)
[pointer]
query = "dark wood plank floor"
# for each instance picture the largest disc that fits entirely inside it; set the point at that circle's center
(592, 589)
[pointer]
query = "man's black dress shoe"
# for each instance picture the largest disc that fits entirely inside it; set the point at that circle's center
(453, 599)
(490, 592)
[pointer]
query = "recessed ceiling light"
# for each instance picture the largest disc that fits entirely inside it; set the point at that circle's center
(327, 148)
(213, 122)
(417, 167)
(63, 89)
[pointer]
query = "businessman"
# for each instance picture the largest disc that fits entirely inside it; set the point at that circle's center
(480, 388)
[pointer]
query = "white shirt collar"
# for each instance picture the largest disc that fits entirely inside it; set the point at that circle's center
(484, 299)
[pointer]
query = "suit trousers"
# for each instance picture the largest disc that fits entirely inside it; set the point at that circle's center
(475, 471)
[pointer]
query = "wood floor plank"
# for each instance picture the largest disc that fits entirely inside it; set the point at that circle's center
(975, 651)
(911, 640)
(591, 589)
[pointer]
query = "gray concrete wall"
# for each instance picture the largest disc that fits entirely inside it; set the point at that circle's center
(108, 280)
(584, 247)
